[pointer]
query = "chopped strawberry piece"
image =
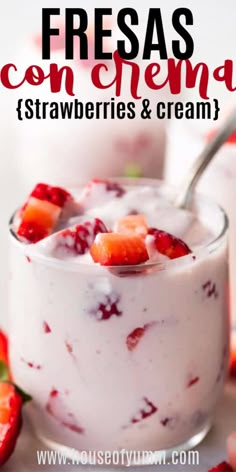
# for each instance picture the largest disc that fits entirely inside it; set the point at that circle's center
(193, 381)
(118, 249)
(231, 450)
(169, 245)
(32, 232)
(56, 195)
(132, 224)
(97, 227)
(41, 213)
(108, 307)
(79, 239)
(147, 410)
(10, 419)
(135, 336)
(46, 328)
(223, 467)
(38, 219)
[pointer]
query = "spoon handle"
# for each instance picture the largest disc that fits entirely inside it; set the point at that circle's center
(184, 198)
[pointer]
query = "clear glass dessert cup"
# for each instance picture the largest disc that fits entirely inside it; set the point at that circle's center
(147, 378)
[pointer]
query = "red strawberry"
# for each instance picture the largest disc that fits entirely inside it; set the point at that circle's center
(113, 249)
(4, 356)
(169, 245)
(131, 224)
(10, 419)
(3, 348)
(31, 232)
(223, 467)
(11, 401)
(42, 212)
(56, 195)
(78, 239)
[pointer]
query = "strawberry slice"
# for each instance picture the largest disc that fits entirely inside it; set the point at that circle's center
(231, 450)
(11, 402)
(77, 240)
(10, 420)
(113, 249)
(136, 335)
(3, 348)
(131, 224)
(168, 245)
(56, 195)
(45, 206)
(222, 467)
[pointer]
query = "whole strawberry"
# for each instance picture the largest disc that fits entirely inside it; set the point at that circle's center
(11, 402)
(10, 419)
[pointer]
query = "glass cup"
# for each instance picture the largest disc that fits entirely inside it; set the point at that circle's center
(146, 378)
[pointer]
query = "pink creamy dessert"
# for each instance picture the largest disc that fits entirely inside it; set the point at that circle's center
(124, 300)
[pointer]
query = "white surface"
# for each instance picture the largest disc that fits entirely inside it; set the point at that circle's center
(212, 450)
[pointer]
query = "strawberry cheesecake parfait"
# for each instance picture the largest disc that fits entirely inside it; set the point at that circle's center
(119, 323)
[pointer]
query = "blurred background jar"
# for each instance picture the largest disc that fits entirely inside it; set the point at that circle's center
(218, 181)
(70, 151)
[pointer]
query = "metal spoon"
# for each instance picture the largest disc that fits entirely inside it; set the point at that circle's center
(184, 198)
